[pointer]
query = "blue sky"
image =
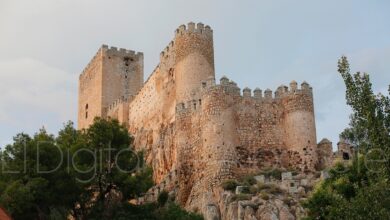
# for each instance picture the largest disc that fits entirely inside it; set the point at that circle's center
(45, 44)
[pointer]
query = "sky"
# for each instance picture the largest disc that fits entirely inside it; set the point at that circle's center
(45, 44)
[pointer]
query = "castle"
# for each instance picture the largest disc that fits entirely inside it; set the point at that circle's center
(196, 132)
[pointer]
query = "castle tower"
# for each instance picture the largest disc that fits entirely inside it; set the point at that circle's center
(111, 75)
(299, 124)
(194, 59)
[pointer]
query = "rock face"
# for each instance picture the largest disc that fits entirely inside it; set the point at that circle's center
(212, 213)
(256, 208)
(197, 133)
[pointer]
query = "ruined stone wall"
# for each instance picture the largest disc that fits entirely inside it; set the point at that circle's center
(325, 154)
(345, 151)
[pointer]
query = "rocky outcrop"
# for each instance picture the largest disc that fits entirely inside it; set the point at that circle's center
(256, 208)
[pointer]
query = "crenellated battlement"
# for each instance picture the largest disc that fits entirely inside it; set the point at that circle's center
(293, 96)
(105, 49)
(167, 51)
(189, 106)
(282, 91)
(116, 103)
(91, 62)
(182, 30)
(121, 52)
(191, 27)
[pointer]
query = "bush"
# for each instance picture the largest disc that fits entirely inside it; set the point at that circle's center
(274, 173)
(274, 189)
(248, 180)
(264, 195)
(162, 198)
(253, 190)
(229, 185)
(263, 186)
(174, 212)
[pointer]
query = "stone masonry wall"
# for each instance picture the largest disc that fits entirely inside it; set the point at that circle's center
(196, 133)
(113, 74)
(90, 91)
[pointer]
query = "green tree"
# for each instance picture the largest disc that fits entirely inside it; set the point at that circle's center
(359, 190)
(36, 180)
(89, 174)
(369, 128)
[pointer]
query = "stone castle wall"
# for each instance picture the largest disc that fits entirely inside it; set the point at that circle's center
(202, 131)
(231, 135)
(113, 74)
(90, 91)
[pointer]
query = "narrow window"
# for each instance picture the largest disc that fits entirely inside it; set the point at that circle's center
(126, 60)
(86, 110)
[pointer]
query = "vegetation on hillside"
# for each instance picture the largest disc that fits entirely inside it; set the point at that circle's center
(89, 174)
(360, 190)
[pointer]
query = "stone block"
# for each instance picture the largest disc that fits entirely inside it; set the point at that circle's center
(286, 176)
(241, 189)
(260, 178)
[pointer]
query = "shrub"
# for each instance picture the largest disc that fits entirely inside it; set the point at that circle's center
(264, 195)
(162, 198)
(229, 185)
(253, 190)
(274, 173)
(263, 186)
(174, 212)
(248, 180)
(274, 189)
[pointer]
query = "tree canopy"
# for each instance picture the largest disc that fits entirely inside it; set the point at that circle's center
(360, 190)
(89, 174)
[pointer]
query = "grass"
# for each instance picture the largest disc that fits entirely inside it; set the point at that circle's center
(229, 185)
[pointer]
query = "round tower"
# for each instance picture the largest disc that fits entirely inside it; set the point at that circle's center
(194, 59)
(299, 124)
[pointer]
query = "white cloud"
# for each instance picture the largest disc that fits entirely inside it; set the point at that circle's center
(33, 90)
